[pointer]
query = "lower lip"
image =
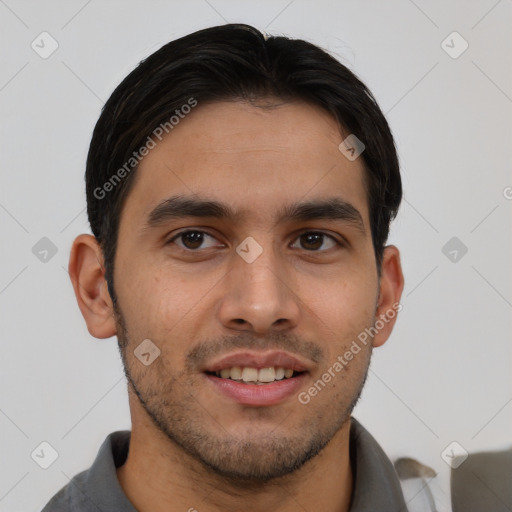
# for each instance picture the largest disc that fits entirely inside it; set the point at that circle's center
(255, 394)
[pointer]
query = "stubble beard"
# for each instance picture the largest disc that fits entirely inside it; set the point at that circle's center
(245, 461)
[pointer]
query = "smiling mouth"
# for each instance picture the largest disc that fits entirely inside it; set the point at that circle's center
(252, 375)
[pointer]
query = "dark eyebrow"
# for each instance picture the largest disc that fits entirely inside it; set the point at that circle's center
(328, 209)
(177, 207)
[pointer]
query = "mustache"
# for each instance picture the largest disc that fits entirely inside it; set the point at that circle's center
(204, 352)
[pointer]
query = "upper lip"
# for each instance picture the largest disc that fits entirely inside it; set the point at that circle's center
(253, 359)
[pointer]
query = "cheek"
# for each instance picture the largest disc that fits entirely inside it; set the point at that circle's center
(165, 308)
(149, 296)
(345, 305)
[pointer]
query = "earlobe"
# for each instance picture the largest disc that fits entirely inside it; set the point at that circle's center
(87, 274)
(391, 287)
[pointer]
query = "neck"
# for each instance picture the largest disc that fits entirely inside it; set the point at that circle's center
(159, 476)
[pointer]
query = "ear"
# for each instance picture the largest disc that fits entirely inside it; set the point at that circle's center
(87, 273)
(390, 290)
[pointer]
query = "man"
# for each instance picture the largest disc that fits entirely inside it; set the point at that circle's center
(240, 190)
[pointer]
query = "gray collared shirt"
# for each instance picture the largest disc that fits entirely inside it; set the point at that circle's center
(376, 485)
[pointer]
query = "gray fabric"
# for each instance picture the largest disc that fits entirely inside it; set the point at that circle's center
(483, 482)
(377, 487)
(97, 489)
(376, 484)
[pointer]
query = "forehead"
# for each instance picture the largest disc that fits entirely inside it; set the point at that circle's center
(256, 159)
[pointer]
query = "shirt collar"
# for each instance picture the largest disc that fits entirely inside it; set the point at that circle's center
(101, 483)
(376, 484)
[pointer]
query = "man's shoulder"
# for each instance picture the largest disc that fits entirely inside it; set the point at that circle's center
(96, 488)
(70, 496)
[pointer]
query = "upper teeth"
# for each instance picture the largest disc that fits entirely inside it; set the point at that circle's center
(248, 374)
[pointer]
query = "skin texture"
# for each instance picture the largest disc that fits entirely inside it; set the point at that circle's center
(191, 446)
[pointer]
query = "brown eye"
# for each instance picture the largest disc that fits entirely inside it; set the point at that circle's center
(314, 240)
(192, 240)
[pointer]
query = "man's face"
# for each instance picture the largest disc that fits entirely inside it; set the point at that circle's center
(210, 301)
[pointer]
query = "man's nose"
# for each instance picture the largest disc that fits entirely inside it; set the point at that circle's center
(259, 295)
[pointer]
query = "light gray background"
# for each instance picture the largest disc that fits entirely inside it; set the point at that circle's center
(445, 374)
